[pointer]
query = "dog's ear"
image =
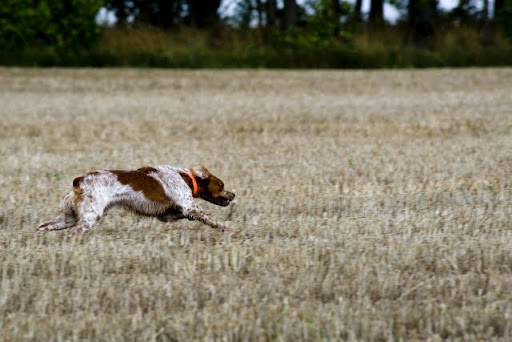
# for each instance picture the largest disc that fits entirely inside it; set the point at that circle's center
(200, 172)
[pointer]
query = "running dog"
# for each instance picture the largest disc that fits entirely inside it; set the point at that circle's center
(163, 191)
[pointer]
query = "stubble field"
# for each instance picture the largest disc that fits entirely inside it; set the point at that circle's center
(371, 205)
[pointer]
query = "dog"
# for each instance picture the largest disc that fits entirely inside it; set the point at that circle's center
(163, 191)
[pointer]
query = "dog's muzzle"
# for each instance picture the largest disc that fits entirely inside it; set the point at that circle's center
(224, 199)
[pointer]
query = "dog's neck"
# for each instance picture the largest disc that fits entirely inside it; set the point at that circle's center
(190, 179)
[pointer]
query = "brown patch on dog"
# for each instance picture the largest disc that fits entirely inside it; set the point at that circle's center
(147, 169)
(78, 195)
(214, 186)
(139, 180)
(77, 190)
(77, 182)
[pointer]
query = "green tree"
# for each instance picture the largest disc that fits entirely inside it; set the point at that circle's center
(503, 16)
(72, 26)
(67, 26)
(20, 22)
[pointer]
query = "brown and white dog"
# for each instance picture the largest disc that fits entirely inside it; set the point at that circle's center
(163, 191)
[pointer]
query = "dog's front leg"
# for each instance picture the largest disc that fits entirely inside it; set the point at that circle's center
(196, 213)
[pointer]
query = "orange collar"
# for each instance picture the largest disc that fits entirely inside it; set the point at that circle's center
(194, 183)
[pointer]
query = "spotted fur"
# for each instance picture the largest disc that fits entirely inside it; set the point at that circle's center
(164, 192)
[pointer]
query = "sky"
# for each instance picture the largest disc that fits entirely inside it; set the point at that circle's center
(227, 6)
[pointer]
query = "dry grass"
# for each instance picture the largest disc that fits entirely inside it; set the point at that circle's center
(370, 206)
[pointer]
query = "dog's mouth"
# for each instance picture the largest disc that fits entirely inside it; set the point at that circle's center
(221, 200)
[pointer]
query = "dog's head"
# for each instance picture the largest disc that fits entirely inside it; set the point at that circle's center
(211, 188)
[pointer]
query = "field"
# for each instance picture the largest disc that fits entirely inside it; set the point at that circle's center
(371, 205)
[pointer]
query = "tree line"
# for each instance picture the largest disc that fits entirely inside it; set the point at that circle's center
(418, 17)
(70, 26)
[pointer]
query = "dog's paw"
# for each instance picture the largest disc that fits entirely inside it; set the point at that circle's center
(42, 228)
(81, 231)
(223, 228)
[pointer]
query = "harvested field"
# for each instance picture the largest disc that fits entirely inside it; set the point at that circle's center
(371, 205)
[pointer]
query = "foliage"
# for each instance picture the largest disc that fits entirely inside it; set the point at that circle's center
(64, 26)
(72, 25)
(195, 49)
(52, 33)
(19, 22)
(504, 19)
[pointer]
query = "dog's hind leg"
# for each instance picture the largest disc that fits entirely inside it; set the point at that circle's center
(86, 223)
(65, 219)
(171, 216)
(88, 212)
